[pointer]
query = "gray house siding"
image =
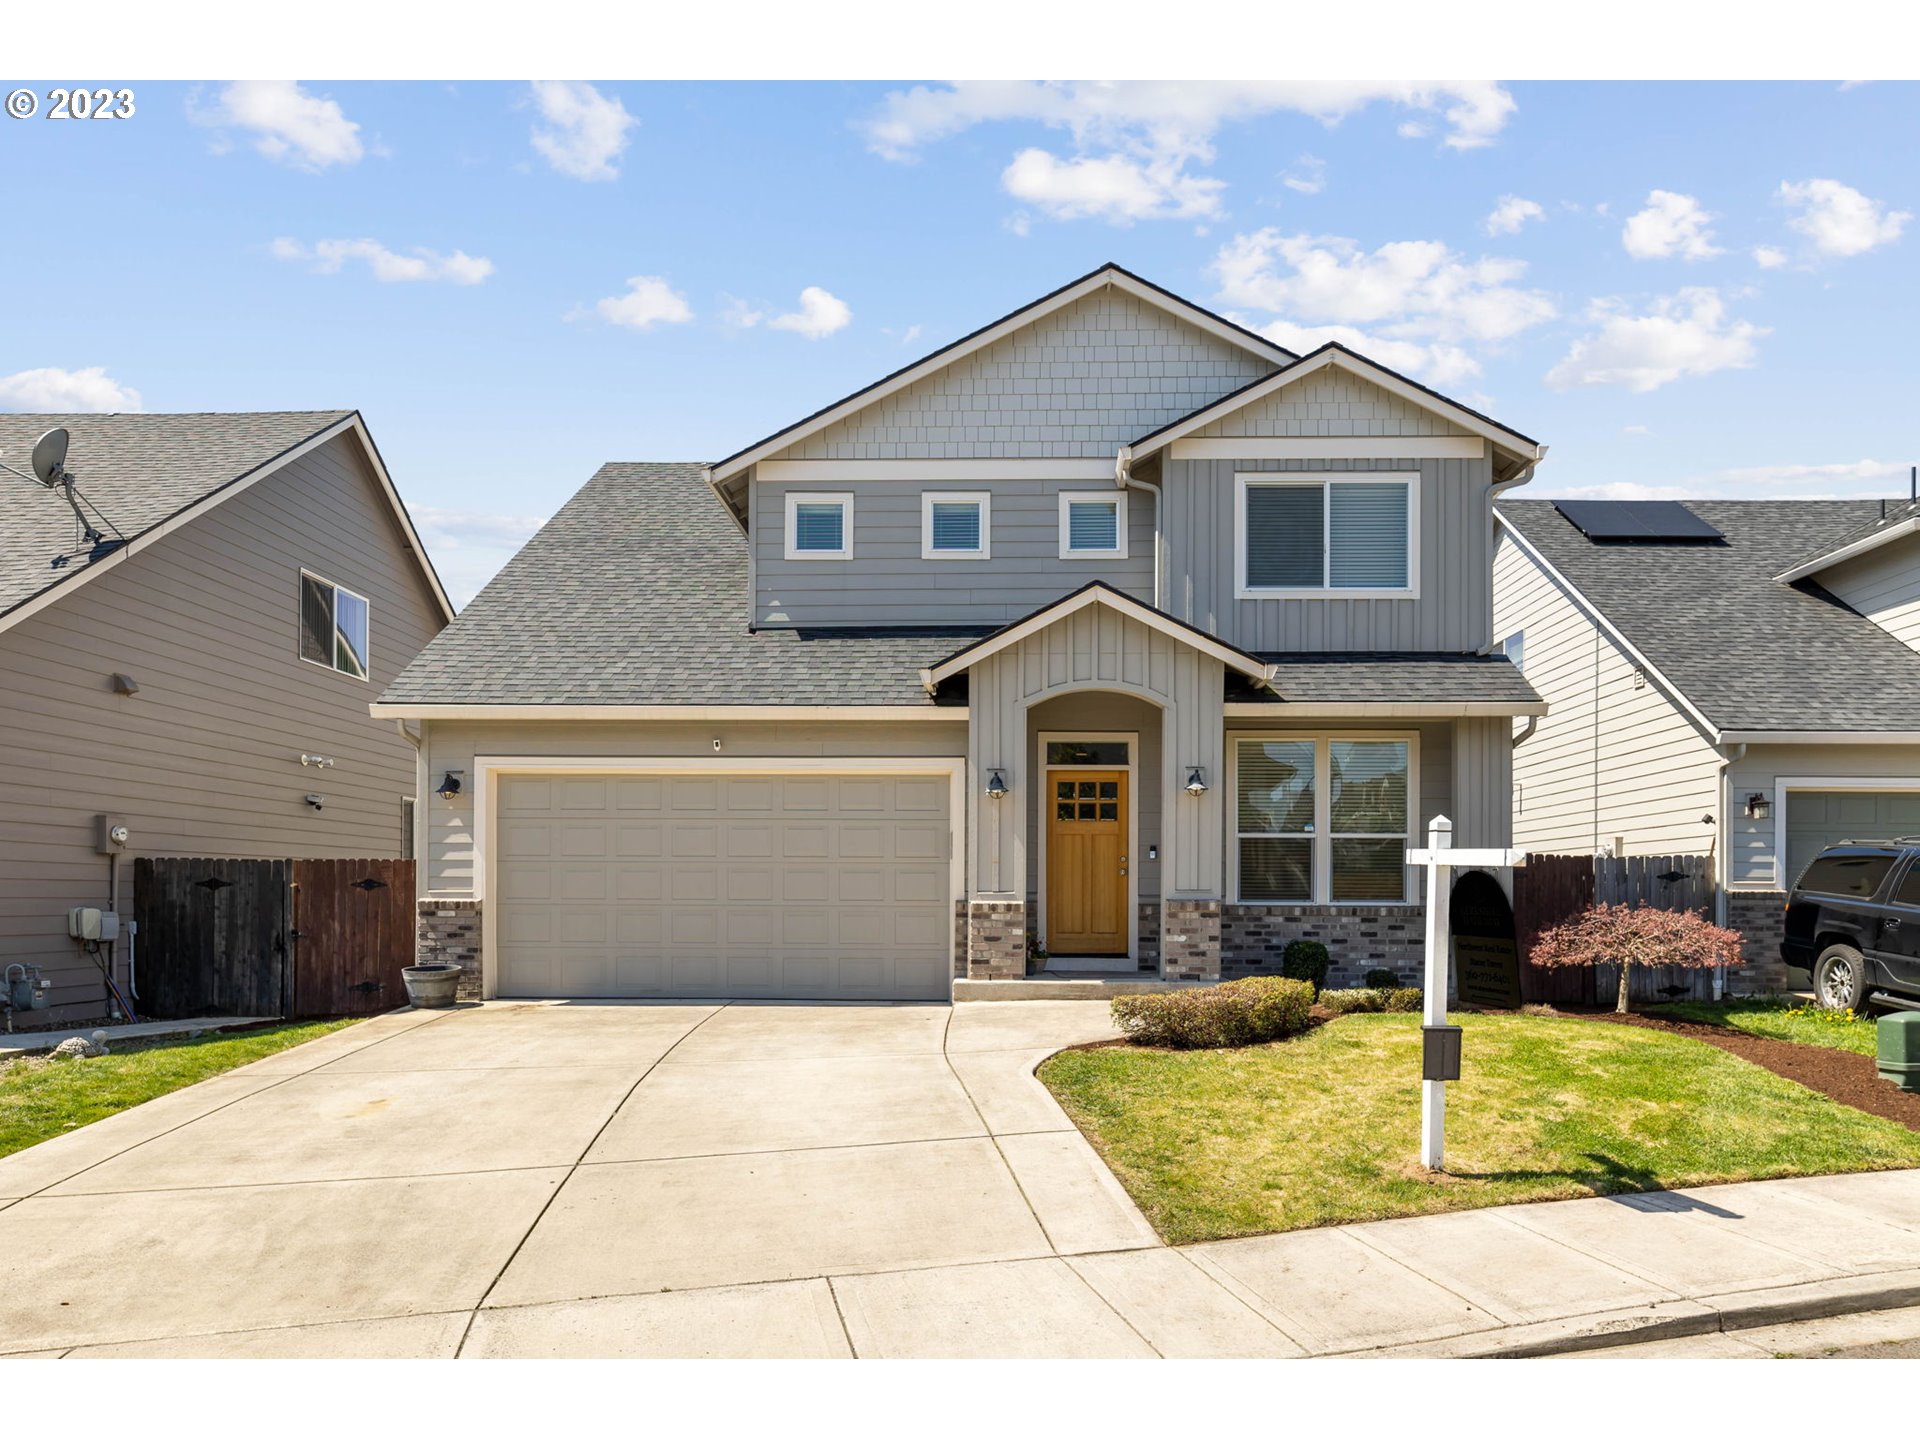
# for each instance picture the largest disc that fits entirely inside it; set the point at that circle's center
(1331, 401)
(1753, 858)
(887, 582)
(1884, 586)
(205, 759)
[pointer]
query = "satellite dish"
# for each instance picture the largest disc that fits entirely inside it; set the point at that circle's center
(50, 457)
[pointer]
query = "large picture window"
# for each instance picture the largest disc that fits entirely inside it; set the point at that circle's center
(333, 626)
(1322, 819)
(1334, 535)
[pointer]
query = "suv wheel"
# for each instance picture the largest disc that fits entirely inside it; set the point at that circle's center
(1840, 978)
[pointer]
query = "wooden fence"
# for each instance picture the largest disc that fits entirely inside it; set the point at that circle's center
(1550, 889)
(294, 938)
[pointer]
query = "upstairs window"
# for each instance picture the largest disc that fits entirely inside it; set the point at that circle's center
(1336, 536)
(333, 626)
(1092, 526)
(955, 526)
(1514, 647)
(819, 527)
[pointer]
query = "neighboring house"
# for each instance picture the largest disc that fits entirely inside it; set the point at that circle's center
(1727, 677)
(1111, 627)
(270, 584)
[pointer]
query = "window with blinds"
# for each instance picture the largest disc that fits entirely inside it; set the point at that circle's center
(1333, 534)
(1322, 820)
(818, 527)
(1090, 526)
(954, 527)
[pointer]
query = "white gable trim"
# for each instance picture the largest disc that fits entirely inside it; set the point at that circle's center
(352, 424)
(1019, 320)
(1517, 445)
(1252, 667)
(1849, 552)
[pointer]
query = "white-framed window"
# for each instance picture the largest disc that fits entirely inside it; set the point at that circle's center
(334, 626)
(1351, 536)
(1093, 526)
(956, 525)
(1514, 647)
(819, 526)
(1323, 819)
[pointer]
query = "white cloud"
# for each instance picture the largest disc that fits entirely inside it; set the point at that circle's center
(1135, 141)
(1870, 478)
(1686, 334)
(469, 546)
(54, 391)
(1672, 224)
(1435, 364)
(1838, 219)
(288, 124)
(820, 315)
(1769, 257)
(585, 131)
(1115, 188)
(1309, 177)
(740, 314)
(1511, 213)
(329, 257)
(1407, 290)
(649, 301)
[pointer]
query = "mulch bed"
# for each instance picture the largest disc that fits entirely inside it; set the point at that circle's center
(1839, 1074)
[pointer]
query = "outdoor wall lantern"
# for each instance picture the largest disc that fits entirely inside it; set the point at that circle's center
(996, 785)
(1196, 782)
(450, 786)
(1759, 807)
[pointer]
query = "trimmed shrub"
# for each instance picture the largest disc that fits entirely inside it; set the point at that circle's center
(1354, 1002)
(1240, 1012)
(1403, 999)
(1381, 980)
(1305, 960)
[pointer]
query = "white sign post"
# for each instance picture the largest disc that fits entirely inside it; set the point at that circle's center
(1441, 860)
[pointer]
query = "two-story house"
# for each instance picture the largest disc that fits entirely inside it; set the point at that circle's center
(1733, 678)
(1111, 630)
(195, 680)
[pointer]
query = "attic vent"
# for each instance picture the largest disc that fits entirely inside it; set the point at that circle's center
(1635, 520)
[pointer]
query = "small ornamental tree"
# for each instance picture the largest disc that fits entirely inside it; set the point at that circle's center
(1629, 935)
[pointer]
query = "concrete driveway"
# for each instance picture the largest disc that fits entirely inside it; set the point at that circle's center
(568, 1179)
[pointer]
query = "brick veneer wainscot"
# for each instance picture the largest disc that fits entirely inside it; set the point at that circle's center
(996, 940)
(448, 932)
(1150, 936)
(1190, 940)
(1760, 917)
(1358, 938)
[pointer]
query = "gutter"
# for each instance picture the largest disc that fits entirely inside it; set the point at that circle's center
(1123, 479)
(1730, 755)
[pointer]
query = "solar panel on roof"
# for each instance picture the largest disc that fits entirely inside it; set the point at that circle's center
(1635, 520)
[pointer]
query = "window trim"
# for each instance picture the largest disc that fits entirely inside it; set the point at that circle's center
(981, 499)
(1115, 498)
(1514, 647)
(299, 620)
(797, 498)
(1323, 836)
(1325, 479)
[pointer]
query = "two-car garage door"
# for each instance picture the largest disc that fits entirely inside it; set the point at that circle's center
(814, 886)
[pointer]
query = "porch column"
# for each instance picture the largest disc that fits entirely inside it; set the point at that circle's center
(1193, 737)
(996, 832)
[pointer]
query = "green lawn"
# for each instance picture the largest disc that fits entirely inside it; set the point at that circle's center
(42, 1098)
(1324, 1129)
(1779, 1020)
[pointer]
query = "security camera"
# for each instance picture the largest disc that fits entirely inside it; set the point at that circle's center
(317, 801)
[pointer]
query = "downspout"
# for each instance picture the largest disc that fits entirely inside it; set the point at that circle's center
(1123, 478)
(415, 734)
(1730, 755)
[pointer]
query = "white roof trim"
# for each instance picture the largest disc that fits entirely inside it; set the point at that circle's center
(1820, 737)
(403, 711)
(352, 424)
(1018, 320)
(1707, 727)
(1126, 605)
(1517, 445)
(1848, 552)
(1389, 709)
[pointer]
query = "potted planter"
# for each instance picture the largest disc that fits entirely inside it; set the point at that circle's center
(431, 986)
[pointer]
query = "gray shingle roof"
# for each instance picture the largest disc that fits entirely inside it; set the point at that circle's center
(1749, 652)
(636, 594)
(1895, 514)
(1382, 677)
(138, 470)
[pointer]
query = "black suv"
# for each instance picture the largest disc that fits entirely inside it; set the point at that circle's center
(1853, 923)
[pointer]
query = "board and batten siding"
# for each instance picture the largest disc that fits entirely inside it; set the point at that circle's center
(1615, 757)
(452, 745)
(1093, 712)
(1079, 382)
(887, 582)
(205, 759)
(1884, 586)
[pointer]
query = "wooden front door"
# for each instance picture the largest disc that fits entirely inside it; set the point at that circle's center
(1087, 862)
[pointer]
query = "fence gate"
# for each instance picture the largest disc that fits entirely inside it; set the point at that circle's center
(213, 937)
(1551, 889)
(352, 934)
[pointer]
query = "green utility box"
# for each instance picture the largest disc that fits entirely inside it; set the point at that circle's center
(1899, 1037)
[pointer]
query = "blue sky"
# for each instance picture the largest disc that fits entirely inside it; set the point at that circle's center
(459, 261)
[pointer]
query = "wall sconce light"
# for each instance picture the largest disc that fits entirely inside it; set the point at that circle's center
(1759, 807)
(1196, 782)
(996, 785)
(450, 786)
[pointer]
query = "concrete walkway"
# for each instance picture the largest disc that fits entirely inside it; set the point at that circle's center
(28, 1042)
(805, 1180)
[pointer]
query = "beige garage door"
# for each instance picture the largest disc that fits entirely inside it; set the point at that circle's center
(784, 886)
(1819, 818)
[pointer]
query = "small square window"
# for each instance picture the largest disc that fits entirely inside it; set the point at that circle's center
(819, 527)
(334, 626)
(955, 526)
(1092, 526)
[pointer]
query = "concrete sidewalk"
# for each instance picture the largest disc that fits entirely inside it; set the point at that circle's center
(28, 1042)
(768, 1180)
